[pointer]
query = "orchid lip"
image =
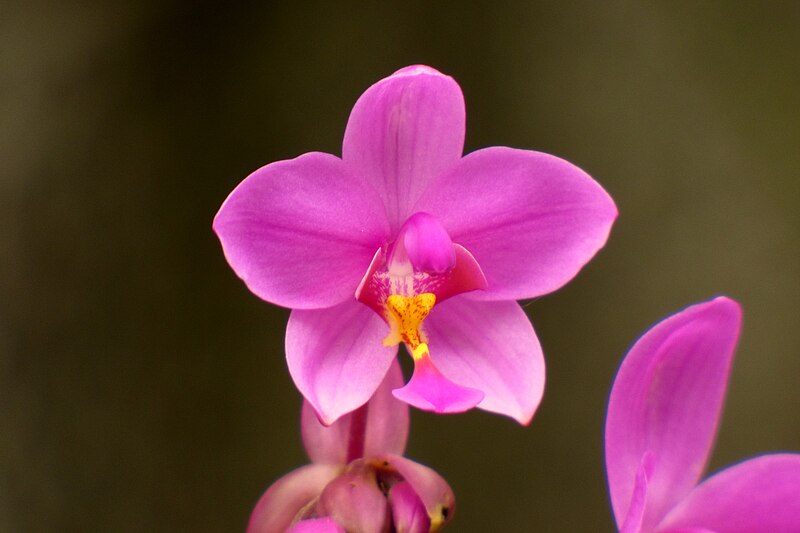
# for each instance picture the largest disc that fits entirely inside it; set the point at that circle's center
(403, 283)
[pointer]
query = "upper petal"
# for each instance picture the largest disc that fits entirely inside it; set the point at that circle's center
(531, 220)
(301, 233)
(336, 356)
(403, 132)
(666, 399)
(489, 346)
(280, 504)
(386, 429)
(761, 494)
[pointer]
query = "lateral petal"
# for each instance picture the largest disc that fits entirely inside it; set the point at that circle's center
(760, 494)
(491, 347)
(667, 399)
(300, 233)
(336, 357)
(403, 132)
(531, 220)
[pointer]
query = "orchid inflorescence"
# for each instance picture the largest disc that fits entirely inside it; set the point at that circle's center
(405, 240)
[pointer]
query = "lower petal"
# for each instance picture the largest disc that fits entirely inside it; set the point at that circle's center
(336, 357)
(761, 494)
(386, 429)
(432, 490)
(317, 525)
(279, 506)
(429, 390)
(633, 521)
(408, 512)
(489, 346)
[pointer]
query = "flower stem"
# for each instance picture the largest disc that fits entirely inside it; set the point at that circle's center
(358, 433)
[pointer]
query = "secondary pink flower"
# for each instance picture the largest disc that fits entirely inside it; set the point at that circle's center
(662, 418)
(358, 479)
(403, 229)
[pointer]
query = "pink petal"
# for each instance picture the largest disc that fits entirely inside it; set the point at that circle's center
(301, 233)
(432, 490)
(317, 525)
(633, 522)
(531, 220)
(667, 399)
(356, 502)
(281, 503)
(688, 530)
(403, 132)
(336, 356)
(489, 346)
(429, 390)
(761, 494)
(386, 426)
(408, 512)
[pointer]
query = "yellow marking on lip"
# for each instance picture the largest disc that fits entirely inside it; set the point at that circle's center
(405, 315)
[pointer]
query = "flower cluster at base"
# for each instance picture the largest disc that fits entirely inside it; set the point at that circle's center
(358, 480)
(663, 414)
(404, 241)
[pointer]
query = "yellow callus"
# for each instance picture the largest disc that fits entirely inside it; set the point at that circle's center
(405, 315)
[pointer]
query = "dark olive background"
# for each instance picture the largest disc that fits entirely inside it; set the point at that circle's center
(143, 388)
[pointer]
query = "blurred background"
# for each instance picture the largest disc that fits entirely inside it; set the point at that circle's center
(143, 388)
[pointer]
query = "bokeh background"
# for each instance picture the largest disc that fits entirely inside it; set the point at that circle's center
(143, 388)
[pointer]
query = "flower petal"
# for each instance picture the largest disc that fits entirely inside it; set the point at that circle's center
(431, 488)
(317, 525)
(301, 233)
(403, 132)
(489, 346)
(688, 530)
(531, 220)
(667, 399)
(429, 390)
(386, 426)
(761, 494)
(336, 357)
(355, 501)
(408, 512)
(633, 521)
(280, 504)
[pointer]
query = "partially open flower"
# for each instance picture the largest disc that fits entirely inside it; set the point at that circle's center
(358, 479)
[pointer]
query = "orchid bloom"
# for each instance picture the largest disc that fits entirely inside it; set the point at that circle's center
(358, 479)
(402, 229)
(662, 418)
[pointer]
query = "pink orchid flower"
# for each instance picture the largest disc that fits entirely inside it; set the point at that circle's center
(662, 418)
(402, 229)
(358, 479)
